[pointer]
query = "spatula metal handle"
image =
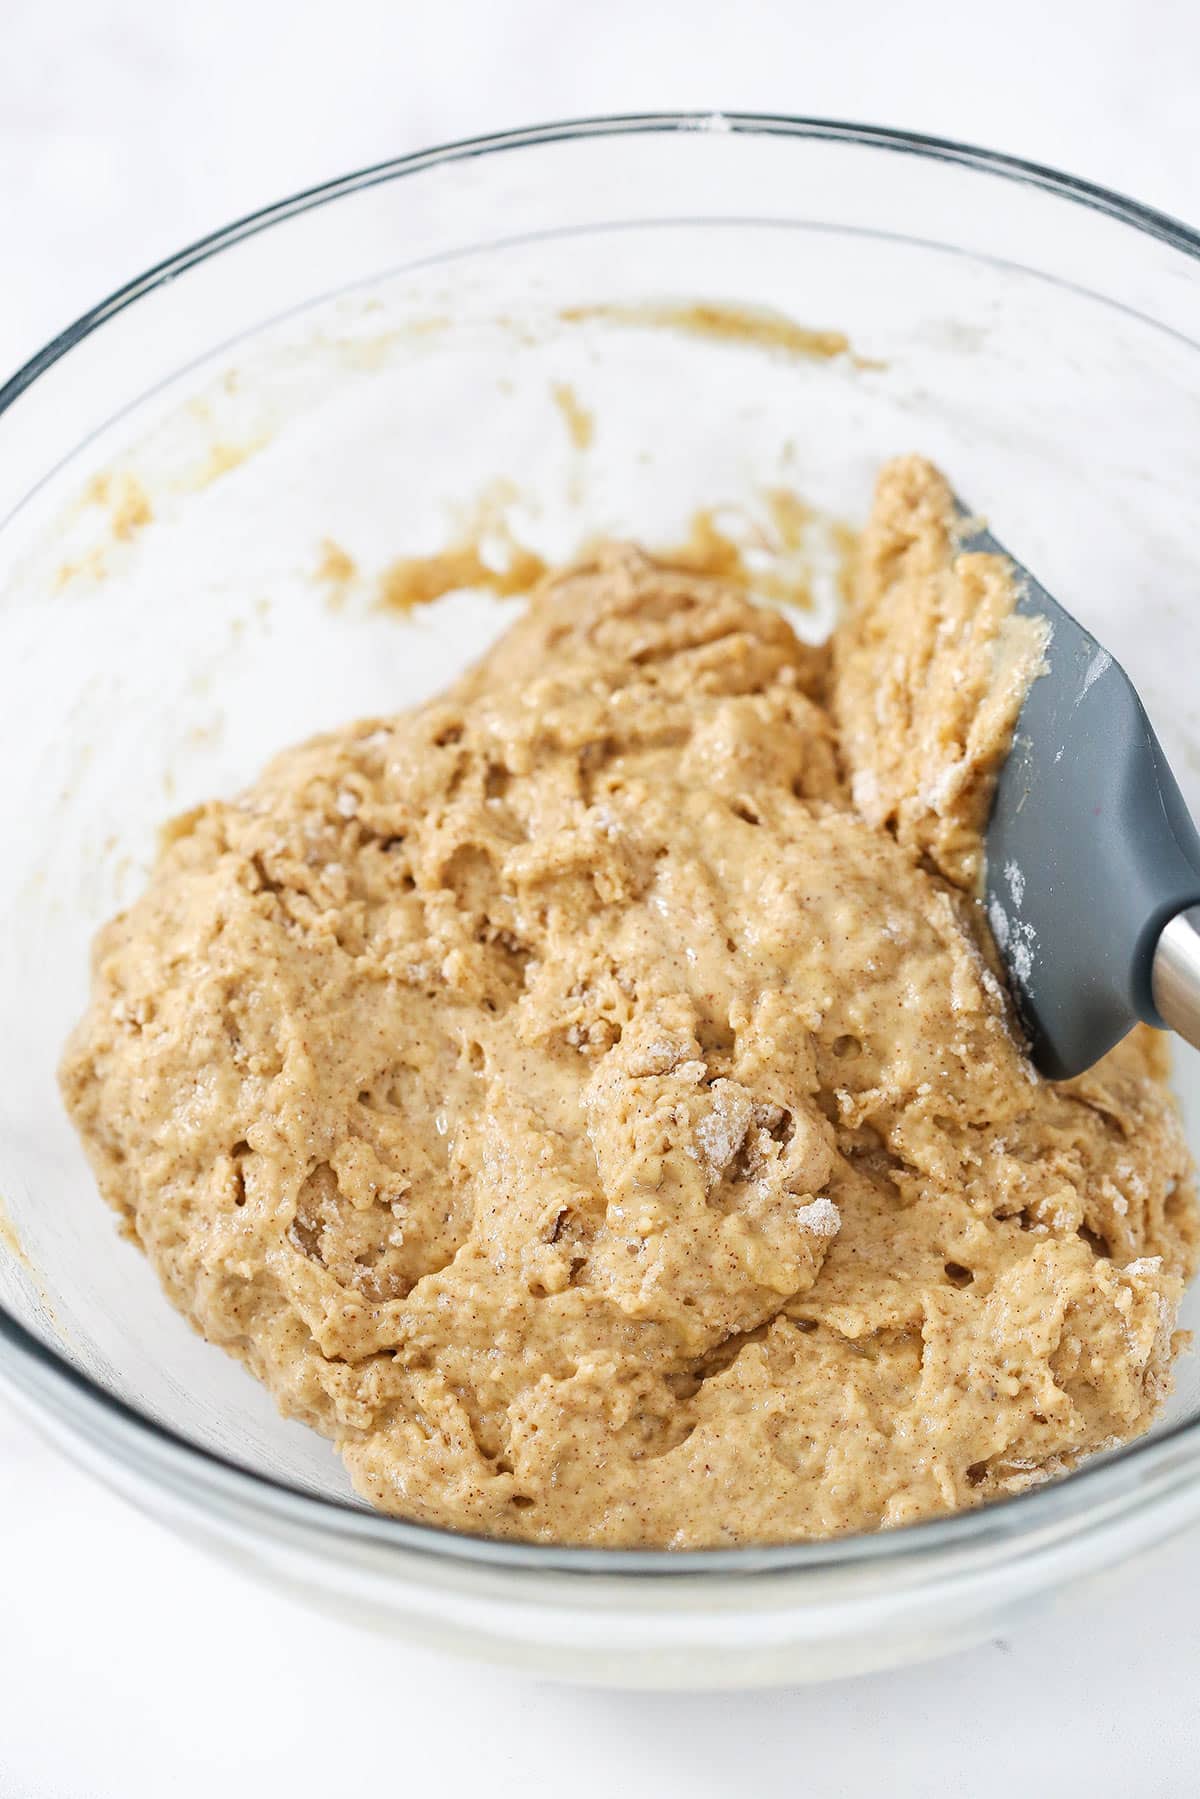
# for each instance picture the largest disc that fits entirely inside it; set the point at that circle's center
(1175, 975)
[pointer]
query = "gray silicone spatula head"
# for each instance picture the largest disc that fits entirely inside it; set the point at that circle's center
(1092, 857)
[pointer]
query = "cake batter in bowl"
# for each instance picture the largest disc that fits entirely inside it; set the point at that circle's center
(593, 331)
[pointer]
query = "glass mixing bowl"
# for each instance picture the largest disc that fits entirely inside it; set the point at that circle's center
(379, 365)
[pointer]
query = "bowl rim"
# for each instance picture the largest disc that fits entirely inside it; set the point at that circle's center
(47, 1380)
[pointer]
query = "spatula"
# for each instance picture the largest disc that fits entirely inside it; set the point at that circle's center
(1093, 862)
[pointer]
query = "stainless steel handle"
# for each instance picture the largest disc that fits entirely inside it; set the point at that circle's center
(1175, 975)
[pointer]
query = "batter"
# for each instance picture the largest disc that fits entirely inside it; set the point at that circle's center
(590, 1099)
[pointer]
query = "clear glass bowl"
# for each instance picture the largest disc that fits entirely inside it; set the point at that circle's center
(368, 364)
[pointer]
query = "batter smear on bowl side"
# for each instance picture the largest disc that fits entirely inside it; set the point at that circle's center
(590, 1099)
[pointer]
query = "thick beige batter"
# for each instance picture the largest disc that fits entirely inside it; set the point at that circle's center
(586, 1100)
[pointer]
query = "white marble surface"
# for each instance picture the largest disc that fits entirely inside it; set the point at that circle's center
(128, 1665)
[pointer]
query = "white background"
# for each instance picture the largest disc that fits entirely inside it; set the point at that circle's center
(128, 1665)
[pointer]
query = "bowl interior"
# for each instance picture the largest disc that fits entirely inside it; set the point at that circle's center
(507, 348)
